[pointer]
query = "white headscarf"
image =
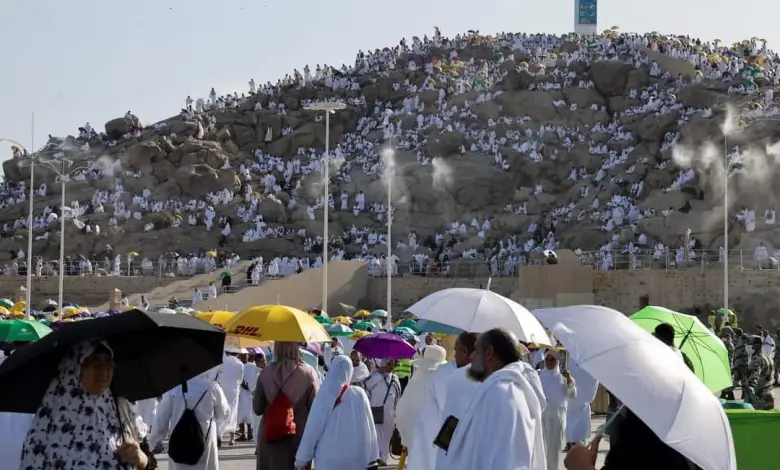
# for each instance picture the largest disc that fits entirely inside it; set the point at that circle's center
(351, 417)
(72, 428)
(339, 374)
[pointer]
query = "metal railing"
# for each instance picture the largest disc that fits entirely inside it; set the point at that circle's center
(46, 268)
(685, 259)
(461, 268)
(599, 260)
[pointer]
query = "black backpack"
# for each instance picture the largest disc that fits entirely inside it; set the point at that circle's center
(187, 443)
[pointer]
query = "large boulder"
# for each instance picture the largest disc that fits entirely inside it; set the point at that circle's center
(118, 127)
(610, 76)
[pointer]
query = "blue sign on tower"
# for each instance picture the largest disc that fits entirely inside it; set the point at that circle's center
(587, 11)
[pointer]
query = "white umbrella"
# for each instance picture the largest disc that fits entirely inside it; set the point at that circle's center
(479, 310)
(649, 378)
(167, 311)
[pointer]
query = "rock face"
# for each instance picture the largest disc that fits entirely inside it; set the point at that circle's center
(463, 181)
(118, 127)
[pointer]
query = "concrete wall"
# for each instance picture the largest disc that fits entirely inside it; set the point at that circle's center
(681, 289)
(622, 290)
(347, 284)
(85, 290)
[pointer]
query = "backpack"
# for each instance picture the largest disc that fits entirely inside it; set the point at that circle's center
(187, 442)
(279, 418)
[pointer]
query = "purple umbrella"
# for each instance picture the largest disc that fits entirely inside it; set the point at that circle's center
(384, 345)
(314, 348)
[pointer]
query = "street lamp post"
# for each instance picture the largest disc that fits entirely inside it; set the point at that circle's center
(329, 108)
(390, 171)
(65, 169)
(28, 294)
(726, 166)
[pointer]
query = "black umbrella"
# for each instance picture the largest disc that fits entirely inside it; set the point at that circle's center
(153, 353)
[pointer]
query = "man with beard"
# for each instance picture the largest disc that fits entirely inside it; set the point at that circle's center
(501, 428)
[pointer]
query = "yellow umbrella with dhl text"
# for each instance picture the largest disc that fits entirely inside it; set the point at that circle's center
(240, 342)
(277, 323)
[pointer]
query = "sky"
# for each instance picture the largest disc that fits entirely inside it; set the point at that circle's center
(77, 61)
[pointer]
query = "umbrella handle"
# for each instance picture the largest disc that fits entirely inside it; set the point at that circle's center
(685, 338)
(126, 421)
(603, 428)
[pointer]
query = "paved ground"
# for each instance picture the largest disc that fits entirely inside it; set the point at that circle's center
(241, 457)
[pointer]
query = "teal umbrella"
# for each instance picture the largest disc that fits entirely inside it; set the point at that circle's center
(402, 330)
(226, 274)
(338, 329)
(308, 358)
(407, 323)
(323, 320)
(6, 303)
(363, 326)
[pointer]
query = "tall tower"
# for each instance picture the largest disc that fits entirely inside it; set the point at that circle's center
(586, 17)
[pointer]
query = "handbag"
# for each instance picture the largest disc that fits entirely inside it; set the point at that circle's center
(378, 412)
(396, 446)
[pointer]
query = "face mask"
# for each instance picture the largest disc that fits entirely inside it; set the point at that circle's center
(749, 349)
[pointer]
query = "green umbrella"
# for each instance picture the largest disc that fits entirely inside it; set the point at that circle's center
(6, 303)
(338, 329)
(323, 320)
(226, 274)
(22, 330)
(705, 350)
(363, 326)
(408, 323)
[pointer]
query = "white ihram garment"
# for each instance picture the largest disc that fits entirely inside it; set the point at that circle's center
(578, 414)
(411, 404)
(339, 436)
(147, 409)
(501, 428)
(378, 387)
(554, 416)
(430, 420)
(245, 413)
(460, 390)
(231, 373)
(212, 407)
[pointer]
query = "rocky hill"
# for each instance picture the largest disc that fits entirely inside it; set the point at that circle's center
(554, 141)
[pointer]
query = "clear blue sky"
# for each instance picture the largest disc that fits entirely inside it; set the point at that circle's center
(73, 61)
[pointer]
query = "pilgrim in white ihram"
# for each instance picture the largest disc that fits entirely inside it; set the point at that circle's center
(578, 415)
(505, 406)
(413, 399)
(204, 396)
(339, 433)
(558, 389)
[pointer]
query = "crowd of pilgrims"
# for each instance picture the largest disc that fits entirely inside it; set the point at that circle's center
(519, 407)
(755, 366)
(614, 210)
